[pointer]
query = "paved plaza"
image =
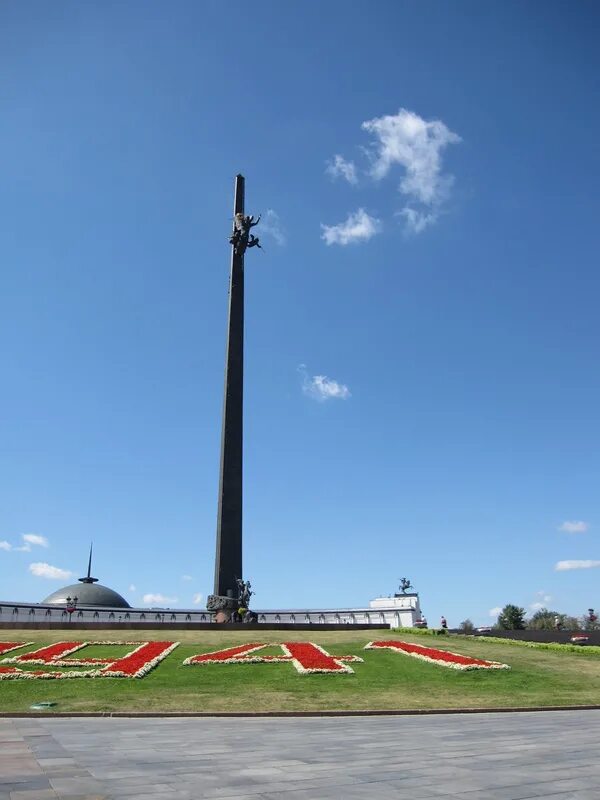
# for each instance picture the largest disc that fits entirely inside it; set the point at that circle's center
(473, 757)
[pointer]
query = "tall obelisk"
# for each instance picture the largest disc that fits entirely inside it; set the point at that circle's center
(228, 562)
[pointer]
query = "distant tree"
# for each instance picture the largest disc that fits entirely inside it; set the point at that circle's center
(590, 621)
(570, 623)
(511, 618)
(543, 620)
(466, 626)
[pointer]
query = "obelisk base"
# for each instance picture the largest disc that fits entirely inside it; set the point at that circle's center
(223, 607)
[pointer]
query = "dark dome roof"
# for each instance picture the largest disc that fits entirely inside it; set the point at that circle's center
(88, 594)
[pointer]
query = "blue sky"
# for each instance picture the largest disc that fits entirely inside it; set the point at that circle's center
(438, 280)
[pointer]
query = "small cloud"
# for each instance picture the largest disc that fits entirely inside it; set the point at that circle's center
(132, 588)
(411, 142)
(42, 570)
(415, 144)
(197, 599)
(574, 526)
(359, 227)
(545, 597)
(270, 224)
(340, 168)
(537, 606)
(416, 221)
(186, 578)
(562, 566)
(494, 612)
(158, 599)
(33, 538)
(322, 388)
(28, 540)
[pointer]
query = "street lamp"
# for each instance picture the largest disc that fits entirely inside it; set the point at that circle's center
(71, 605)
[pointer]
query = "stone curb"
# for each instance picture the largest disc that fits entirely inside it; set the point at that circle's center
(410, 712)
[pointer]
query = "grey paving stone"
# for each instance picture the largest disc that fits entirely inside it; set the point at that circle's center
(69, 786)
(24, 784)
(496, 757)
(34, 794)
(123, 790)
(171, 794)
(83, 797)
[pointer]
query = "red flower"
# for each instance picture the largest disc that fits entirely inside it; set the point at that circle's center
(231, 654)
(50, 654)
(134, 665)
(305, 656)
(141, 661)
(309, 657)
(6, 647)
(443, 657)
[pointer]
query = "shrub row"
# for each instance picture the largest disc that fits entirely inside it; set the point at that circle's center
(422, 631)
(585, 650)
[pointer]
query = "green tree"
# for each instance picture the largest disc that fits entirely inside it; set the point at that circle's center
(590, 620)
(511, 618)
(543, 620)
(466, 626)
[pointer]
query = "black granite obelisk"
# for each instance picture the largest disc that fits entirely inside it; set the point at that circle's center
(228, 563)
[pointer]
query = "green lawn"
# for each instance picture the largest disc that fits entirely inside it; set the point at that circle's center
(385, 680)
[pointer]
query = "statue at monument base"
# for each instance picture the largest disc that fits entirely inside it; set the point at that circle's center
(232, 609)
(222, 607)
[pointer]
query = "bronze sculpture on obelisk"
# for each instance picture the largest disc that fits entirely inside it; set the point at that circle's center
(228, 562)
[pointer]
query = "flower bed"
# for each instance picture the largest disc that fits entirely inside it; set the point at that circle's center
(135, 664)
(6, 647)
(434, 656)
(306, 657)
(310, 658)
(234, 655)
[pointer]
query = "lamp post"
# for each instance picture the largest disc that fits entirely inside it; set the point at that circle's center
(71, 606)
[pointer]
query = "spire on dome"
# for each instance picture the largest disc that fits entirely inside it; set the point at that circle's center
(88, 578)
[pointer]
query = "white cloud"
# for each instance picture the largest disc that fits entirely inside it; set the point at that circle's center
(543, 602)
(158, 599)
(186, 577)
(42, 570)
(416, 145)
(28, 539)
(197, 599)
(493, 612)
(562, 566)
(322, 388)
(132, 588)
(408, 140)
(340, 168)
(33, 538)
(574, 526)
(359, 227)
(416, 221)
(270, 224)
